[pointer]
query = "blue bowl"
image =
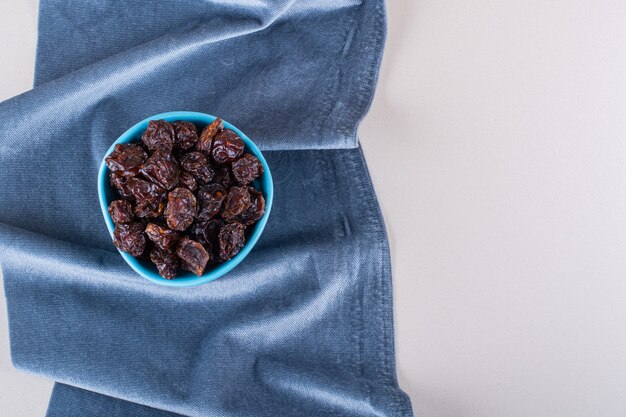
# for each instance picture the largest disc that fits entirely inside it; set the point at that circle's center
(145, 268)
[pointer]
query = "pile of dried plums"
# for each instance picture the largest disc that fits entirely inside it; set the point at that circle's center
(186, 200)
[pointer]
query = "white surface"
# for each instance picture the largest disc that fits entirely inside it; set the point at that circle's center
(496, 145)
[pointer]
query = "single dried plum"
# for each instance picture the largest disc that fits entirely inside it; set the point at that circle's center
(145, 191)
(237, 201)
(193, 255)
(129, 237)
(121, 184)
(207, 135)
(148, 197)
(162, 169)
(162, 236)
(256, 210)
(181, 209)
(247, 168)
(166, 262)
(211, 198)
(231, 239)
(121, 211)
(227, 146)
(126, 159)
(187, 180)
(197, 165)
(159, 135)
(186, 135)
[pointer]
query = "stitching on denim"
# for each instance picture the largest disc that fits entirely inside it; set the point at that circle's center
(357, 317)
(371, 216)
(372, 55)
(332, 81)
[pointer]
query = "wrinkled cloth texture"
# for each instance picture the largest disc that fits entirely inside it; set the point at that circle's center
(303, 326)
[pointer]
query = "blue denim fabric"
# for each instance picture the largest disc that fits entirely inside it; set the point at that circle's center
(303, 327)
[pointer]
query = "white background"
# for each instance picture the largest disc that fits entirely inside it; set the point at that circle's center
(496, 145)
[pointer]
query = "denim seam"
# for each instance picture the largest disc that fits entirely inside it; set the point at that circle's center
(373, 218)
(331, 85)
(365, 219)
(369, 73)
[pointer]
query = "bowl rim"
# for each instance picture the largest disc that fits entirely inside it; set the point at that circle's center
(188, 280)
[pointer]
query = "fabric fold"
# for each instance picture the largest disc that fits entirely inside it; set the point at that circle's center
(297, 74)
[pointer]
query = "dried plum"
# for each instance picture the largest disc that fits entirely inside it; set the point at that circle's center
(247, 168)
(159, 135)
(237, 201)
(166, 262)
(231, 239)
(148, 197)
(162, 236)
(256, 210)
(187, 180)
(162, 169)
(143, 190)
(181, 209)
(121, 211)
(211, 198)
(186, 135)
(227, 146)
(193, 255)
(207, 135)
(129, 237)
(126, 159)
(121, 184)
(197, 165)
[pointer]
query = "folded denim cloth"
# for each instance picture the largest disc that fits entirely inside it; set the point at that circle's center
(303, 327)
